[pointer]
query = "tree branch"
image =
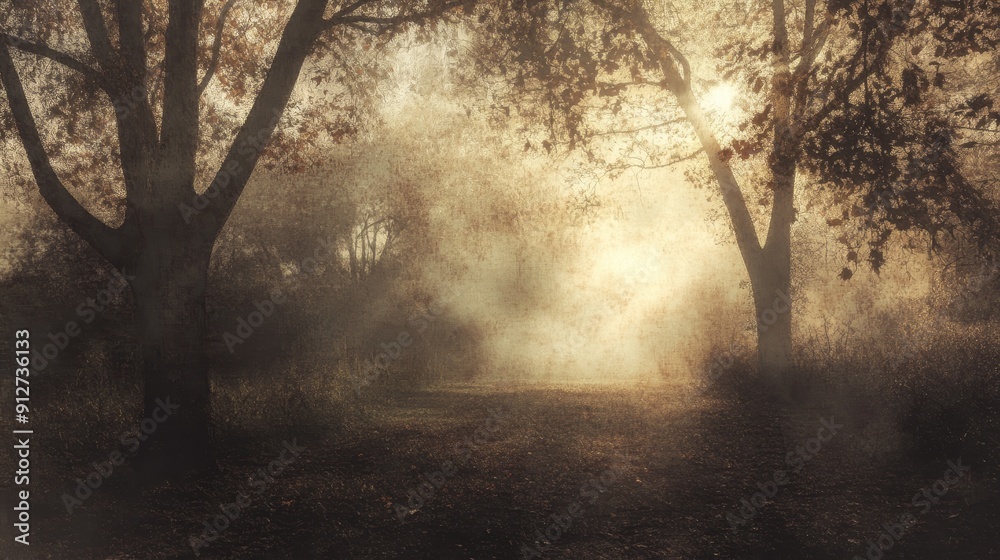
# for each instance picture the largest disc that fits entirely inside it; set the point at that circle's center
(216, 47)
(107, 241)
(179, 132)
(297, 40)
(817, 41)
(639, 128)
(669, 163)
(667, 54)
(132, 42)
(680, 85)
(349, 9)
(808, 24)
(978, 129)
(97, 33)
(49, 53)
(893, 30)
(384, 24)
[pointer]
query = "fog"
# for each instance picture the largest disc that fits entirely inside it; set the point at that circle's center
(493, 279)
(575, 277)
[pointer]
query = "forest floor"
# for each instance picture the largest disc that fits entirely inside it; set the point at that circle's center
(612, 473)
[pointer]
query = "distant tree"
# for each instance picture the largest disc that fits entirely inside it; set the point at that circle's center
(144, 118)
(831, 98)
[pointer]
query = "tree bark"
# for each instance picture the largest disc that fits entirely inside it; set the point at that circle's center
(165, 242)
(771, 287)
(169, 284)
(768, 266)
(770, 280)
(771, 275)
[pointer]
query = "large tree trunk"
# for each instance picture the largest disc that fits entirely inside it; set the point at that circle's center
(169, 286)
(770, 279)
(164, 244)
(769, 267)
(771, 271)
(769, 264)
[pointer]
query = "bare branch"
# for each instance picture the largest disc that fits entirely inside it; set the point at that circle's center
(640, 128)
(106, 240)
(49, 53)
(297, 40)
(363, 29)
(179, 131)
(385, 24)
(132, 42)
(97, 33)
(216, 47)
(669, 163)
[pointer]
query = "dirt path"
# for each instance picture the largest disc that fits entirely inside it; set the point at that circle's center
(626, 474)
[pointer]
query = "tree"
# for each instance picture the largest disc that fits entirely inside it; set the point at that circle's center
(826, 90)
(145, 59)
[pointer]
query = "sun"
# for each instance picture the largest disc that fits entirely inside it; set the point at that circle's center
(720, 98)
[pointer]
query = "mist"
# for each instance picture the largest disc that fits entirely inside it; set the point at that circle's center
(499, 279)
